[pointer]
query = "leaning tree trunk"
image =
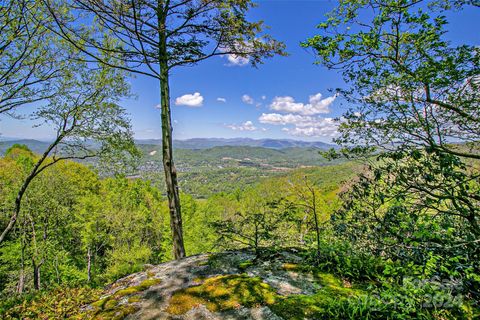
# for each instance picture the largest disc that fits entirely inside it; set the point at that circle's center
(167, 148)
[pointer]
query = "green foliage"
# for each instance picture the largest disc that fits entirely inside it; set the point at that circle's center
(70, 216)
(253, 221)
(16, 148)
(413, 93)
(420, 210)
(340, 257)
(206, 172)
(126, 260)
(32, 57)
(414, 299)
(123, 225)
(58, 303)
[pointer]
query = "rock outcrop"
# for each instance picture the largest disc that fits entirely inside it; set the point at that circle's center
(230, 285)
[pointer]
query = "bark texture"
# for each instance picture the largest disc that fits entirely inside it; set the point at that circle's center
(173, 193)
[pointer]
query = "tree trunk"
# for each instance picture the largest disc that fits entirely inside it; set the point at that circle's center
(36, 275)
(89, 265)
(317, 227)
(256, 239)
(21, 278)
(18, 200)
(167, 145)
(57, 271)
(36, 267)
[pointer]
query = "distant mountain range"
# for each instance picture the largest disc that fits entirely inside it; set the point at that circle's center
(206, 143)
(34, 145)
(193, 144)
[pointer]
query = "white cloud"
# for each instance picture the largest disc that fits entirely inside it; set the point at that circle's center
(283, 119)
(324, 129)
(247, 99)
(316, 105)
(235, 60)
(246, 126)
(264, 97)
(220, 99)
(158, 106)
(300, 125)
(190, 100)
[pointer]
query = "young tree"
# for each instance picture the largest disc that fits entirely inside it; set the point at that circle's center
(86, 120)
(415, 96)
(308, 198)
(257, 218)
(30, 58)
(156, 36)
(409, 87)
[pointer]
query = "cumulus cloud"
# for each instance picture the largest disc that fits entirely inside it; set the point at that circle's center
(220, 99)
(283, 119)
(302, 119)
(316, 105)
(234, 60)
(300, 125)
(247, 99)
(246, 126)
(190, 100)
(324, 127)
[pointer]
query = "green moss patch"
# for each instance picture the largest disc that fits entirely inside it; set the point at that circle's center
(203, 263)
(134, 299)
(335, 286)
(118, 313)
(147, 284)
(223, 293)
(244, 265)
(315, 306)
(296, 267)
(109, 307)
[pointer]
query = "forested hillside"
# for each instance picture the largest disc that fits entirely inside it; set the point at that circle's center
(77, 228)
(382, 221)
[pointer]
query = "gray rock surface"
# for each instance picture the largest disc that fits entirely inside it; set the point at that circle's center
(152, 302)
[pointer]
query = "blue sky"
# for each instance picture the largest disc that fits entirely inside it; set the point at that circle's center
(251, 95)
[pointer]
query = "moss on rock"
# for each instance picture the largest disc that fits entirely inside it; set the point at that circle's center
(118, 313)
(109, 308)
(299, 307)
(223, 293)
(244, 265)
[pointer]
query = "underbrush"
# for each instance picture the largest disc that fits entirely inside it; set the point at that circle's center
(349, 284)
(57, 303)
(389, 290)
(341, 258)
(401, 302)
